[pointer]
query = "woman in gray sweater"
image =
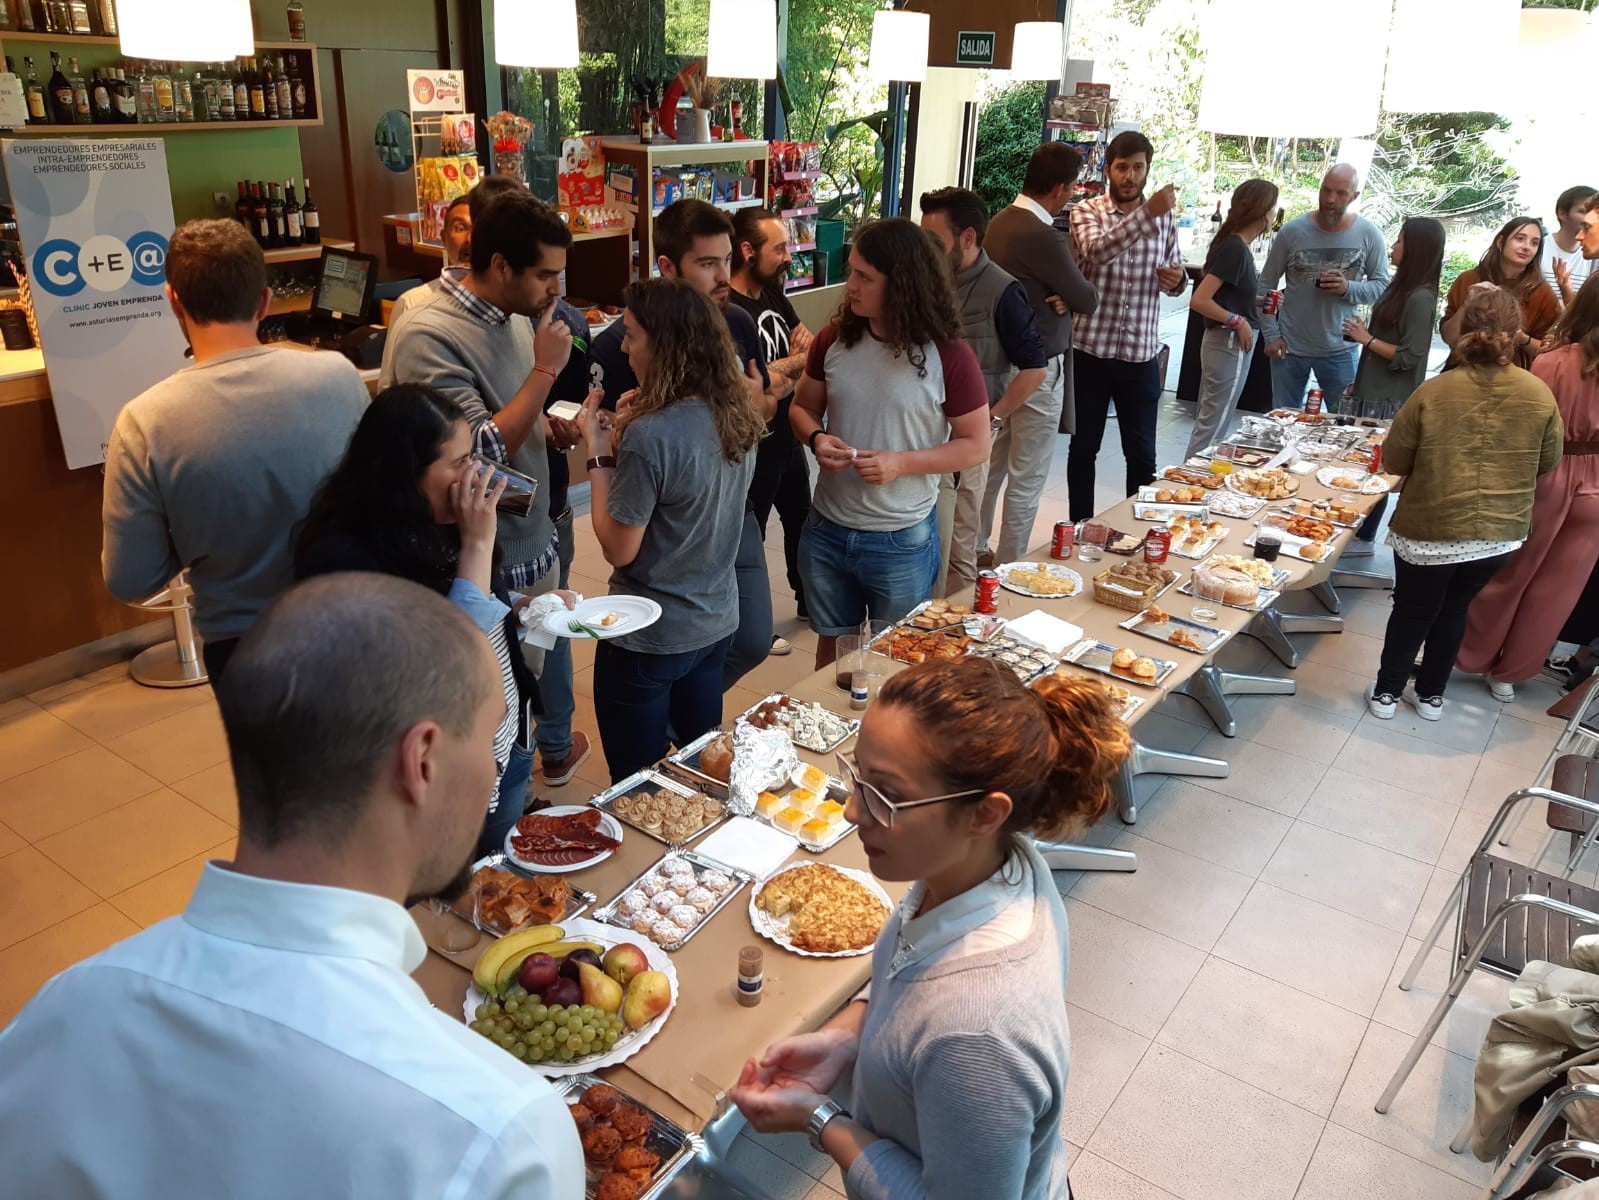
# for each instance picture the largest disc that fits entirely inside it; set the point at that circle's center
(961, 1053)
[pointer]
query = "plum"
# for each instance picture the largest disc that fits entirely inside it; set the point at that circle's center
(563, 991)
(569, 963)
(538, 971)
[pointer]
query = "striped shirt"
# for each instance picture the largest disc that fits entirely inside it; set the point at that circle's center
(1119, 253)
(488, 613)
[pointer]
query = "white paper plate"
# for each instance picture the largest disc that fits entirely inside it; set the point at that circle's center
(775, 929)
(1053, 569)
(630, 1043)
(609, 825)
(636, 612)
(1371, 485)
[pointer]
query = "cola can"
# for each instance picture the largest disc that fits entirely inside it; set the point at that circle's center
(1157, 545)
(1065, 535)
(1376, 458)
(987, 600)
(1314, 402)
(1273, 303)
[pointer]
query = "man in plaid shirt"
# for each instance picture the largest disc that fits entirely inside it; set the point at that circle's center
(1127, 248)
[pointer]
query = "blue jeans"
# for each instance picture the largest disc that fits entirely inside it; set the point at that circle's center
(509, 801)
(852, 574)
(1290, 376)
(637, 695)
(554, 725)
(753, 641)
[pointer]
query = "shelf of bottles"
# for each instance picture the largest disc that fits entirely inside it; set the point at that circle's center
(287, 230)
(276, 87)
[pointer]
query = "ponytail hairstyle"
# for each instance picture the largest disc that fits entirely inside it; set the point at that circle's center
(1579, 326)
(1054, 749)
(1488, 324)
(1253, 200)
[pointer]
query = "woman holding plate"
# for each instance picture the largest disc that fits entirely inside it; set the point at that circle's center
(961, 1052)
(668, 475)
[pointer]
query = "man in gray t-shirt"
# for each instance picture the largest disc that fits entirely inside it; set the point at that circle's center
(1329, 262)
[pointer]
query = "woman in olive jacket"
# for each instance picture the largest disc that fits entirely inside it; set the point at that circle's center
(1472, 443)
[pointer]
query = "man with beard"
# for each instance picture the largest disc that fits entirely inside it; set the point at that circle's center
(998, 324)
(782, 477)
(1330, 261)
(1127, 247)
(694, 242)
(270, 1041)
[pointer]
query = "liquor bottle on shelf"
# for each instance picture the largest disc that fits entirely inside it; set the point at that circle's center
(243, 209)
(224, 89)
(310, 218)
(57, 17)
(183, 96)
(257, 91)
(296, 21)
(124, 98)
(293, 224)
(23, 12)
(59, 93)
(297, 88)
(144, 83)
(103, 15)
(280, 230)
(263, 216)
(11, 69)
(241, 91)
(38, 112)
(269, 89)
(78, 16)
(166, 101)
(82, 109)
(104, 108)
(285, 91)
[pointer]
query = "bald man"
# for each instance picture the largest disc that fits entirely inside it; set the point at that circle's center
(1329, 262)
(270, 1041)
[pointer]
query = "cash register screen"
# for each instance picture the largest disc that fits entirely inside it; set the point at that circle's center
(345, 286)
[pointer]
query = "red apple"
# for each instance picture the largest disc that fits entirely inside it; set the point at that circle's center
(625, 961)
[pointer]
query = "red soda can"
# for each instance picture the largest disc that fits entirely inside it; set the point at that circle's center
(1065, 536)
(987, 592)
(1157, 545)
(1313, 402)
(1273, 303)
(1376, 458)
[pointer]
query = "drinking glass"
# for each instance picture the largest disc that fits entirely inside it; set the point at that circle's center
(1090, 541)
(455, 933)
(848, 660)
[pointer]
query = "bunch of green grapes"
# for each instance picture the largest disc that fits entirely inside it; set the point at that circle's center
(544, 1033)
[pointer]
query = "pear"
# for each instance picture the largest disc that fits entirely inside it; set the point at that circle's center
(599, 989)
(649, 994)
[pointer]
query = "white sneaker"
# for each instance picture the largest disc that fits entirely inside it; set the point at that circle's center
(1381, 705)
(1428, 708)
(781, 646)
(1502, 692)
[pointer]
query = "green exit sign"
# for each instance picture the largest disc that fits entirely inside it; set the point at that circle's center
(974, 49)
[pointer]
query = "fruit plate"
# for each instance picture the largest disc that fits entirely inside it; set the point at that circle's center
(707, 872)
(775, 929)
(560, 862)
(631, 1042)
(675, 1146)
(1364, 484)
(1066, 575)
(578, 901)
(616, 801)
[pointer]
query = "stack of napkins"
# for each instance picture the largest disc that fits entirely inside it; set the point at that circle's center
(1045, 631)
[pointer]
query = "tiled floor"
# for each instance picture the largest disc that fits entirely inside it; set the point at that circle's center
(1233, 1002)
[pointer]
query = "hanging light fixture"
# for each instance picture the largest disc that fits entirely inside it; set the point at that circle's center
(185, 30)
(1037, 50)
(743, 40)
(899, 46)
(1235, 98)
(1429, 41)
(541, 34)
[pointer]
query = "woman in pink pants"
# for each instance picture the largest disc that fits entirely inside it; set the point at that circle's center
(1517, 617)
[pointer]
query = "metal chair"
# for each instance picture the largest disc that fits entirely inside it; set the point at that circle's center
(1525, 1159)
(174, 664)
(1491, 891)
(1581, 735)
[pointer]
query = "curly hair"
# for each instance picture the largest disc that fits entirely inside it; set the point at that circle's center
(1488, 324)
(691, 356)
(1055, 749)
(918, 293)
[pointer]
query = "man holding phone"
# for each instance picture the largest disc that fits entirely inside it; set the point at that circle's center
(1330, 262)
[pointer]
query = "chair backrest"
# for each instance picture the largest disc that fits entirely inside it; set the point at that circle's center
(1531, 933)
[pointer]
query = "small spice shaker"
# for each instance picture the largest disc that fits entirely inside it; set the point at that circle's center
(749, 976)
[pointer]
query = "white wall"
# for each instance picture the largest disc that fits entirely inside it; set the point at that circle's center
(938, 131)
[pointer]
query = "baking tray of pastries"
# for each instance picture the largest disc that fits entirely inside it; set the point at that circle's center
(674, 898)
(638, 1166)
(667, 810)
(1175, 631)
(1120, 662)
(1122, 696)
(1164, 514)
(500, 899)
(1194, 537)
(934, 615)
(1342, 513)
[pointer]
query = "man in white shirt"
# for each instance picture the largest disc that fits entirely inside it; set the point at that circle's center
(270, 1042)
(1565, 269)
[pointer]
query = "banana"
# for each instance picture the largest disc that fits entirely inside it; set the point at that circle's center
(510, 966)
(487, 971)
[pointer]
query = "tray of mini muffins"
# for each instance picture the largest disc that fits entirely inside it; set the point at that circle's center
(631, 1152)
(675, 898)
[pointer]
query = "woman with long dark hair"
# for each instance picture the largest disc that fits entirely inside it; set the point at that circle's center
(1519, 615)
(1513, 262)
(408, 499)
(668, 476)
(1225, 297)
(961, 1054)
(891, 400)
(1394, 348)
(1473, 442)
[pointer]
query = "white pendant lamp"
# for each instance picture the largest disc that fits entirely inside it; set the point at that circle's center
(1429, 42)
(1038, 50)
(541, 34)
(1236, 97)
(899, 46)
(185, 30)
(743, 40)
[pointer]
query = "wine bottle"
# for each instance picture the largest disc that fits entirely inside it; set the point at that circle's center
(59, 92)
(310, 217)
(38, 113)
(294, 227)
(82, 108)
(269, 89)
(257, 91)
(241, 91)
(297, 88)
(280, 230)
(105, 111)
(243, 209)
(124, 97)
(263, 216)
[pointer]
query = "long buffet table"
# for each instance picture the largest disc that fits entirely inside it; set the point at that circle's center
(685, 1071)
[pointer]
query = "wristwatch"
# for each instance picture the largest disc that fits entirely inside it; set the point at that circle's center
(820, 1116)
(602, 460)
